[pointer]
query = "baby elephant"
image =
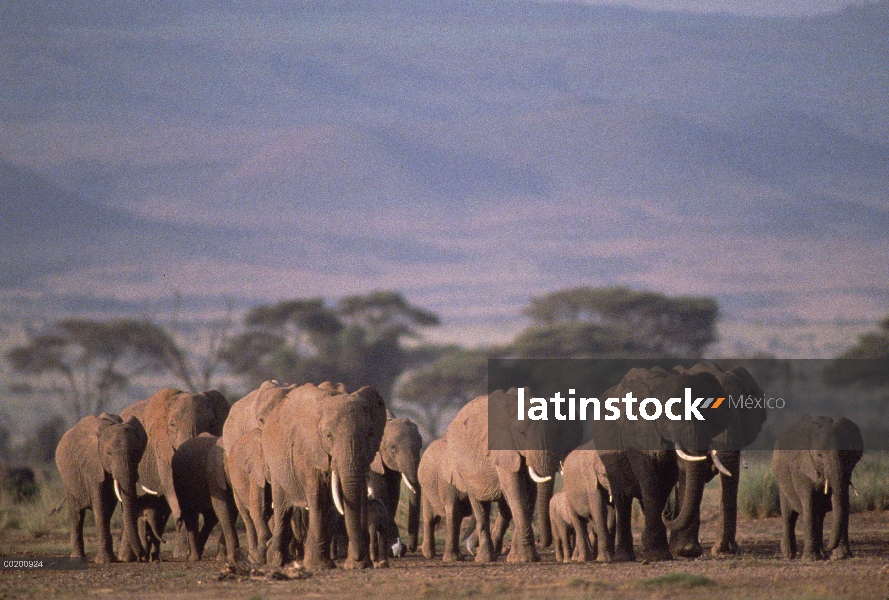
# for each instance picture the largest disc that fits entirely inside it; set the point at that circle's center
(153, 512)
(567, 528)
(383, 534)
(203, 489)
(813, 462)
(588, 495)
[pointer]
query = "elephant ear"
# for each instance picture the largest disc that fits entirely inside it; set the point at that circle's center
(220, 407)
(508, 460)
(305, 431)
(808, 467)
(377, 464)
(90, 462)
(156, 412)
(134, 426)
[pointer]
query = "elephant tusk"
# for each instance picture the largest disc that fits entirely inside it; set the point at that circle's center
(147, 491)
(408, 484)
(537, 478)
(117, 491)
(851, 485)
(370, 492)
(826, 486)
(718, 463)
(688, 457)
(335, 489)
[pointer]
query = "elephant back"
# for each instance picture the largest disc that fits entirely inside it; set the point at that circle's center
(252, 410)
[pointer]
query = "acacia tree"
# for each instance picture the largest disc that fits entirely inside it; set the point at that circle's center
(616, 322)
(866, 363)
(432, 393)
(359, 341)
(86, 363)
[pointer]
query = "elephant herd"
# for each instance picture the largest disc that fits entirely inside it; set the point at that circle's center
(316, 474)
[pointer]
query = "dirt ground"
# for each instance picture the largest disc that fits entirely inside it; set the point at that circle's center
(758, 573)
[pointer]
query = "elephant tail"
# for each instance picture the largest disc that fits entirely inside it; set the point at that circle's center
(58, 507)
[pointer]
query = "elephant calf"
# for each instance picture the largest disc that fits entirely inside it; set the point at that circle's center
(153, 513)
(202, 488)
(569, 532)
(813, 463)
(588, 496)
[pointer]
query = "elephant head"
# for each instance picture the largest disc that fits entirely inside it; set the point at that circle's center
(171, 417)
(516, 444)
(400, 451)
(691, 439)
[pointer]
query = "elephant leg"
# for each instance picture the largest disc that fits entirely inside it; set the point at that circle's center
(429, 521)
(183, 547)
(501, 524)
(580, 553)
(204, 532)
(541, 510)
(224, 507)
(103, 505)
(77, 515)
(452, 529)
(482, 513)
(604, 541)
(810, 548)
(516, 493)
(788, 521)
(250, 528)
(623, 526)
(317, 545)
(728, 487)
(280, 521)
(818, 528)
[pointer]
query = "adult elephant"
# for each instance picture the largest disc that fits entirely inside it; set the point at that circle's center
(317, 445)
(813, 462)
(202, 486)
(640, 456)
(510, 473)
(98, 459)
(170, 417)
(744, 426)
(242, 442)
(397, 462)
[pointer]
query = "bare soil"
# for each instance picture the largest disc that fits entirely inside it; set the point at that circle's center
(758, 573)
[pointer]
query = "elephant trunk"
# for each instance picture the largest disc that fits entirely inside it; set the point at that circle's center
(544, 527)
(839, 484)
(125, 486)
(696, 473)
(542, 465)
(353, 495)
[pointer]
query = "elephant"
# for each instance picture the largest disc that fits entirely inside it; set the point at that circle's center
(170, 417)
(241, 439)
(568, 532)
(589, 499)
(743, 428)
(202, 487)
(98, 461)
(247, 475)
(153, 513)
(441, 499)
(397, 462)
(510, 473)
(640, 456)
(316, 443)
(382, 531)
(813, 462)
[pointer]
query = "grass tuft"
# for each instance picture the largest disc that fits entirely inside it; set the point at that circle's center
(680, 579)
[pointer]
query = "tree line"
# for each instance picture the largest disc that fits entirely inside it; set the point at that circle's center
(373, 339)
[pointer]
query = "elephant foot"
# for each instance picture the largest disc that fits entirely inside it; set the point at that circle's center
(104, 558)
(689, 550)
(604, 557)
(318, 564)
(427, 551)
(523, 554)
(351, 563)
(381, 564)
(810, 556)
(841, 553)
(450, 557)
(624, 556)
(656, 554)
(724, 548)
